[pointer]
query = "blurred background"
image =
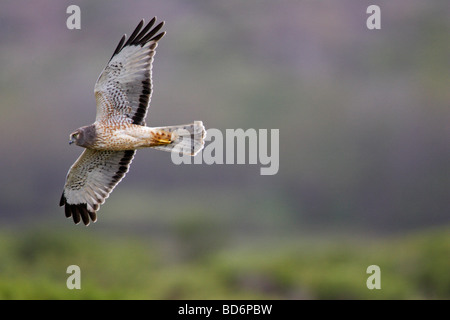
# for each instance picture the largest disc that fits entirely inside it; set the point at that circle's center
(364, 179)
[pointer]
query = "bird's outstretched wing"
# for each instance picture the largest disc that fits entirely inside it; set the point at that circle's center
(90, 180)
(123, 90)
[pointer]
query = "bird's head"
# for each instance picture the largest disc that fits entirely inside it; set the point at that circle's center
(74, 136)
(83, 137)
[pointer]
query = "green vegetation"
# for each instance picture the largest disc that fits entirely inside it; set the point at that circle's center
(34, 267)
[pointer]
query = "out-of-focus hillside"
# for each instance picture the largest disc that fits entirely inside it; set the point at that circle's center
(34, 267)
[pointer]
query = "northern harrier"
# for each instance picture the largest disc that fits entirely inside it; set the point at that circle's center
(122, 93)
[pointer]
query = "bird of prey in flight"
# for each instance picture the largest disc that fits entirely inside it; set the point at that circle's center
(122, 92)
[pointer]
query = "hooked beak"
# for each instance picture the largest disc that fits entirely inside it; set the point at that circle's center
(71, 140)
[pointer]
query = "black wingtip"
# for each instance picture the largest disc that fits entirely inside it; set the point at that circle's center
(158, 37)
(119, 46)
(137, 39)
(149, 36)
(141, 37)
(78, 212)
(135, 32)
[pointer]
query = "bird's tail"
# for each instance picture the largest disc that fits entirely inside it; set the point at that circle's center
(187, 139)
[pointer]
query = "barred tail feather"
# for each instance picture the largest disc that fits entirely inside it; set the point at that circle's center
(186, 139)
